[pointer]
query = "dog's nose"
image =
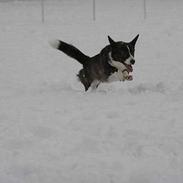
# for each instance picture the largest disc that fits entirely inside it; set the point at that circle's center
(132, 61)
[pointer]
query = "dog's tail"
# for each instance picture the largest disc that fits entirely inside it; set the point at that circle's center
(70, 51)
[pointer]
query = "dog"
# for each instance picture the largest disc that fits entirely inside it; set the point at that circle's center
(113, 63)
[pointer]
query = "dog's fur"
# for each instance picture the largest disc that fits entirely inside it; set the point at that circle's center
(116, 59)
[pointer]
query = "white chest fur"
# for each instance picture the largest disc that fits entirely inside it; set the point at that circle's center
(121, 74)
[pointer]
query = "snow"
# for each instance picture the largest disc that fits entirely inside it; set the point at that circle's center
(53, 131)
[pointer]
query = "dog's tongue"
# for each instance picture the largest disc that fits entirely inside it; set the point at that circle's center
(129, 68)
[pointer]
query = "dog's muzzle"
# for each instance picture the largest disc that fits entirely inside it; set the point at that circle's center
(123, 66)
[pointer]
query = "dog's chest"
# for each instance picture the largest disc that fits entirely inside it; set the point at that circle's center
(116, 76)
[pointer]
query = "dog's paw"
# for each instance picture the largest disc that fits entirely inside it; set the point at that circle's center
(126, 76)
(129, 78)
(120, 75)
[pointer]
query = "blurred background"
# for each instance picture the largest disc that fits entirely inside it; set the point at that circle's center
(77, 10)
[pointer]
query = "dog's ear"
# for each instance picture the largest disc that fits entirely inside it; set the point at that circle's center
(111, 41)
(133, 42)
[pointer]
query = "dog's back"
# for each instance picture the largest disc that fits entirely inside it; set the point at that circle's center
(94, 68)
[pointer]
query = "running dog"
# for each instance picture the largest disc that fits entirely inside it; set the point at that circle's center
(113, 63)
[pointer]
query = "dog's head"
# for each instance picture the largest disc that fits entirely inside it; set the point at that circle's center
(122, 54)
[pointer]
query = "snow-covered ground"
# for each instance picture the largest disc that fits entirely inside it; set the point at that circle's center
(51, 131)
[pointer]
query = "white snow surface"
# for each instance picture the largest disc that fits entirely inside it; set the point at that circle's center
(51, 131)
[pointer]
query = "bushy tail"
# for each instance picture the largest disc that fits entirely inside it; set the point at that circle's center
(70, 51)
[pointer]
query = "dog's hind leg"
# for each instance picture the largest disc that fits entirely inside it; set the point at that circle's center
(95, 84)
(84, 79)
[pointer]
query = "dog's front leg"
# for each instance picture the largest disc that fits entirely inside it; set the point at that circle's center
(122, 72)
(127, 76)
(120, 75)
(124, 75)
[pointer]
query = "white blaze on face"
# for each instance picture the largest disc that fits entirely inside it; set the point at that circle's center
(120, 65)
(116, 64)
(128, 60)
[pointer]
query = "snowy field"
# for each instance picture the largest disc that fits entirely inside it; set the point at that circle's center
(51, 131)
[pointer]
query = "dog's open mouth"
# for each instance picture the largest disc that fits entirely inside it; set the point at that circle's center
(129, 67)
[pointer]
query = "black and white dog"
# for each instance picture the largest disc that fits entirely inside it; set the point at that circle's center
(114, 62)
